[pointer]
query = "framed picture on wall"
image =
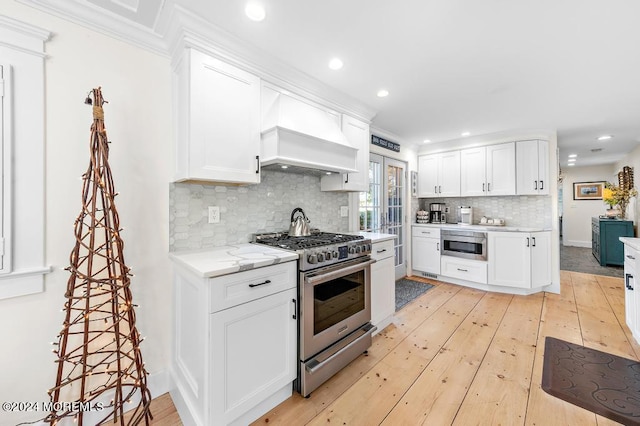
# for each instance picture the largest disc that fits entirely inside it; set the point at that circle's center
(588, 190)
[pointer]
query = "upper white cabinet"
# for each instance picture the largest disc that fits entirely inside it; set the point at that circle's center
(218, 121)
(488, 170)
(532, 166)
(519, 259)
(439, 175)
(357, 133)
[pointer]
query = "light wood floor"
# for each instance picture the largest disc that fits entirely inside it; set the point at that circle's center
(462, 356)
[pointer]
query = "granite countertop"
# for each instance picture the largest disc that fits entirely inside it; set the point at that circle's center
(634, 243)
(213, 262)
(486, 228)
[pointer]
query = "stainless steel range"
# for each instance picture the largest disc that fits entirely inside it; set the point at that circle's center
(334, 293)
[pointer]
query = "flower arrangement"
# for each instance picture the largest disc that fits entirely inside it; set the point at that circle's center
(614, 195)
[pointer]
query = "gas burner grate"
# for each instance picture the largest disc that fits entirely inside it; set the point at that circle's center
(317, 239)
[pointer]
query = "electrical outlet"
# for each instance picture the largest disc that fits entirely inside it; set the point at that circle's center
(214, 214)
(344, 211)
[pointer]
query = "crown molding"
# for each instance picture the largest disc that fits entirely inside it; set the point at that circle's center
(25, 37)
(102, 21)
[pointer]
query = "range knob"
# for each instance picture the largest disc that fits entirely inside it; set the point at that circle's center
(352, 250)
(358, 248)
(334, 254)
(368, 247)
(320, 257)
(312, 258)
(327, 255)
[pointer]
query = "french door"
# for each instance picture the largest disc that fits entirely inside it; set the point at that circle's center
(382, 208)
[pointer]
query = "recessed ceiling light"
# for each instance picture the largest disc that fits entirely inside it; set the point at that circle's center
(255, 11)
(571, 164)
(426, 141)
(383, 93)
(328, 173)
(605, 137)
(335, 64)
(465, 134)
(573, 155)
(284, 167)
(572, 160)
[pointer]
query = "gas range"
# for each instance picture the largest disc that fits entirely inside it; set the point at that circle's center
(320, 248)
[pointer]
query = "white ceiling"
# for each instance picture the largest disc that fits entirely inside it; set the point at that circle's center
(482, 66)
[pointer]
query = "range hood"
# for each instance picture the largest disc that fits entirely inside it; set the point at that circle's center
(298, 136)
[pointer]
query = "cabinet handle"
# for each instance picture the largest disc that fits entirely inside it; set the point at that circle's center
(295, 309)
(463, 270)
(533, 241)
(347, 178)
(631, 257)
(257, 164)
(527, 241)
(425, 232)
(489, 187)
(439, 189)
(381, 251)
(437, 246)
(626, 281)
(541, 184)
(483, 187)
(259, 284)
(435, 189)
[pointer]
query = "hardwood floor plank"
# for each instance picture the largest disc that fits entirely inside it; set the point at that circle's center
(372, 397)
(500, 390)
(435, 396)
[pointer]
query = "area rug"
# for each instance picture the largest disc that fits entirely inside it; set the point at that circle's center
(407, 290)
(605, 384)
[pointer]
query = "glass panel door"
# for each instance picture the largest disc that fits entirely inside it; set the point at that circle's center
(382, 208)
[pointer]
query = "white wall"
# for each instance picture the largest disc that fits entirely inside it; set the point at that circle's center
(633, 160)
(137, 85)
(577, 214)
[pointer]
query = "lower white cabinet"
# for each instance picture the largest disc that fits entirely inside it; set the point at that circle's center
(632, 291)
(425, 250)
(464, 269)
(519, 259)
(235, 353)
(383, 290)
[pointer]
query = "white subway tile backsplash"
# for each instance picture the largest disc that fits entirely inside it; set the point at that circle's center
(245, 210)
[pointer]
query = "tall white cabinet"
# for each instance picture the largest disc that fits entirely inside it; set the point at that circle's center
(439, 175)
(217, 111)
(532, 164)
(488, 170)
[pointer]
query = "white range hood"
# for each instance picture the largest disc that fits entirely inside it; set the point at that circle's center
(299, 135)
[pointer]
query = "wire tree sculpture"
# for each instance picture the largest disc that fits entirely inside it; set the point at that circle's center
(99, 361)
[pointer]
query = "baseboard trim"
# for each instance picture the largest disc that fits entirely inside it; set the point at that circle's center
(573, 243)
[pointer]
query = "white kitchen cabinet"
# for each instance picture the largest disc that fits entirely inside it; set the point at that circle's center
(519, 259)
(425, 250)
(439, 175)
(383, 291)
(235, 350)
(532, 167)
(464, 269)
(217, 107)
(357, 133)
(488, 170)
(632, 291)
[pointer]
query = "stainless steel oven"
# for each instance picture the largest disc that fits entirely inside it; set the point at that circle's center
(463, 243)
(334, 302)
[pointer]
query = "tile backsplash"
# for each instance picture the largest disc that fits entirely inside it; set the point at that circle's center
(517, 210)
(245, 210)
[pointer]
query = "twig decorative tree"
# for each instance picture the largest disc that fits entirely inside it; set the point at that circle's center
(98, 349)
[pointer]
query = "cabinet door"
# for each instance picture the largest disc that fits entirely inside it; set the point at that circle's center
(473, 180)
(223, 123)
(540, 259)
(253, 354)
(357, 133)
(425, 255)
(527, 164)
(501, 169)
(383, 296)
(543, 167)
(449, 174)
(428, 176)
(509, 259)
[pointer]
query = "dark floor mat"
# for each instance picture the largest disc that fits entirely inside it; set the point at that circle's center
(407, 290)
(605, 384)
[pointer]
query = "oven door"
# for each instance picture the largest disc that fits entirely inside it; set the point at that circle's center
(335, 301)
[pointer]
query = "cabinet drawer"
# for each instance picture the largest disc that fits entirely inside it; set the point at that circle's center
(420, 231)
(631, 258)
(464, 269)
(241, 287)
(382, 250)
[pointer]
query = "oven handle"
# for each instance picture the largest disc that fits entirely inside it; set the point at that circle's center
(367, 331)
(338, 272)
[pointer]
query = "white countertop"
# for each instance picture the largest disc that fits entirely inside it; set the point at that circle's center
(376, 237)
(487, 228)
(218, 261)
(634, 243)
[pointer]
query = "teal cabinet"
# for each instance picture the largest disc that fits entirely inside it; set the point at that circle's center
(605, 239)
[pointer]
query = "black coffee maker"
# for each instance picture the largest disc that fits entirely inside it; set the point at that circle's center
(436, 212)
